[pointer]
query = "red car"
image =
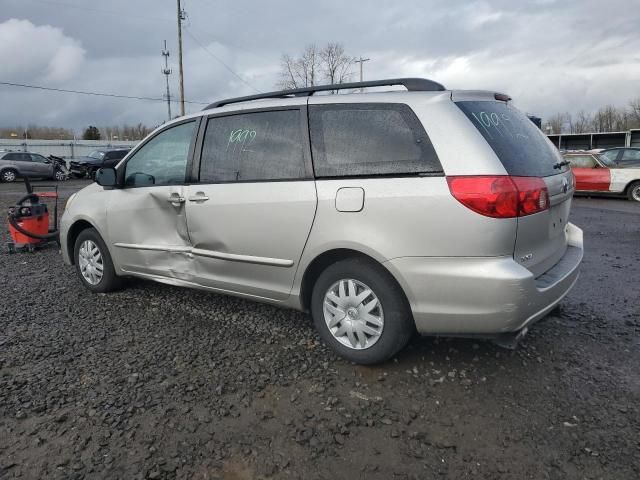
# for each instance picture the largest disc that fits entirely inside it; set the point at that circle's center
(595, 174)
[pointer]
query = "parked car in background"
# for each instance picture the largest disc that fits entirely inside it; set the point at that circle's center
(621, 157)
(87, 166)
(14, 165)
(594, 174)
(398, 224)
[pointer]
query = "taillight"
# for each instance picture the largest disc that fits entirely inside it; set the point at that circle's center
(500, 196)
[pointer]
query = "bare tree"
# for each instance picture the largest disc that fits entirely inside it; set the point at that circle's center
(336, 64)
(634, 107)
(583, 123)
(605, 119)
(125, 132)
(557, 122)
(36, 132)
(330, 64)
(300, 72)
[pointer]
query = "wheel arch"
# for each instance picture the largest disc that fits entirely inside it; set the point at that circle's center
(627, 188)
(72, 234)
(327, 258)
(10, 167)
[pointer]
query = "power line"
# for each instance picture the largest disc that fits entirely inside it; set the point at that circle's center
(97, 94)
(99, 10)
(188, 32)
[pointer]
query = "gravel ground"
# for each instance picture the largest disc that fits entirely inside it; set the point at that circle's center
(161, 382)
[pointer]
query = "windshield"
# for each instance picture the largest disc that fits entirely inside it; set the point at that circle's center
(96, 154)
(519, 144)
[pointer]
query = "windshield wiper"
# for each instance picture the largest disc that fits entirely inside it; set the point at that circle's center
(559, 165)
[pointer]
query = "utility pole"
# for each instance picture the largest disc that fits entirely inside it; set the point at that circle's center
(361, 61)
(166, 71)
(181, 17)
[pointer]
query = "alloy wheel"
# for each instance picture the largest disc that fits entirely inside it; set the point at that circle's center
(90, 262)
(353, 314)
(8, 176)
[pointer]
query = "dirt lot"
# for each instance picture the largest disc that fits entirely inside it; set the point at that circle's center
(160, 382)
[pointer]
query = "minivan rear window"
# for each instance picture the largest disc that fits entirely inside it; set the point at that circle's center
(519, 144)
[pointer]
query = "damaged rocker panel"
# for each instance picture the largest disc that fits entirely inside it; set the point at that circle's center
(232, 257)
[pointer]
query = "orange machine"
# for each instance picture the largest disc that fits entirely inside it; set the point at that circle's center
(29, 221)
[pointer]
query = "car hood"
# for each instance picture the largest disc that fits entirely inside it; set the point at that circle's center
(89, 160)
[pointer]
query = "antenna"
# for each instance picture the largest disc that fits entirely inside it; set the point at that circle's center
(166, 71)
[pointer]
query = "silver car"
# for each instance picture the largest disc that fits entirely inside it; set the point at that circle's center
(14, 165)
(380, 213)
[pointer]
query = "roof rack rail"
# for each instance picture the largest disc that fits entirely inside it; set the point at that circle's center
(411, 84)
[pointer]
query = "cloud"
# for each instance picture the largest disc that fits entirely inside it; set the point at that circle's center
(38, 52)
(550, 56)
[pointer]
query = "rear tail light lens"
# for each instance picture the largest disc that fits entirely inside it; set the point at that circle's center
(500, 196)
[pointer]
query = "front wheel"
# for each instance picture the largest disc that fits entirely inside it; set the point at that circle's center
(59, 176)
(9, 175)
(633, 192)
(93, 263)
(360, 311)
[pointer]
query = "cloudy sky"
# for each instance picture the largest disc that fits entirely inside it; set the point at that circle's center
(549, 55)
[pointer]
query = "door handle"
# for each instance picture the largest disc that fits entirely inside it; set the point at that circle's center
(199, 197)
(175, 199)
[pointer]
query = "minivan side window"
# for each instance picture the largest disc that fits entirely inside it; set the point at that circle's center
(162, 160)
(257, 146)
(369, 139)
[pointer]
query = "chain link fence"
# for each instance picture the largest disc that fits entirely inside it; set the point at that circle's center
(62, 148)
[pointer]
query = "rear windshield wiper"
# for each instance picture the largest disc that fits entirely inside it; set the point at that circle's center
(559, 165)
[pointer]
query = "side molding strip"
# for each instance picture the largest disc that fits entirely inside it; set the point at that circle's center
(231, 257)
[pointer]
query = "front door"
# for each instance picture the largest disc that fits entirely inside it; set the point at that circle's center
(251, 213)
(146, 219)
(590, 175)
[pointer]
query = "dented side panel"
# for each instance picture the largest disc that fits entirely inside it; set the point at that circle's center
(248, 237)
(148, 233)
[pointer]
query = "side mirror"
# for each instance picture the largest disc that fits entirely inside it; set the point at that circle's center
(106, 177)
(46, 160)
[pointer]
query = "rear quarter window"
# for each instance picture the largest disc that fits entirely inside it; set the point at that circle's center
(368, 140)
(521, 147)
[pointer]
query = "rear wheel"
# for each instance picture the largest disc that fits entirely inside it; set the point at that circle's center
(9, 175)
(633, 192)
(360, 311)
(93, 263)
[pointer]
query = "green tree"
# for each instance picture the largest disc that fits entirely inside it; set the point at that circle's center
(91, 133)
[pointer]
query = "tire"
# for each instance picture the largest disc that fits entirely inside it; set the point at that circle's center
(89, 240)
(59, 176)
(392, 307)
(633, 192)
(9, 175)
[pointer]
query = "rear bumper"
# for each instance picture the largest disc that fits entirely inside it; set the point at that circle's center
(484, 295)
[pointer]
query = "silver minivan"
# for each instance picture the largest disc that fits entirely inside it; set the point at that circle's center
(380, 213)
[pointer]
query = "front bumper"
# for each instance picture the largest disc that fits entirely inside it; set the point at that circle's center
(79, 170)
(484, 295)
(64, 247)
